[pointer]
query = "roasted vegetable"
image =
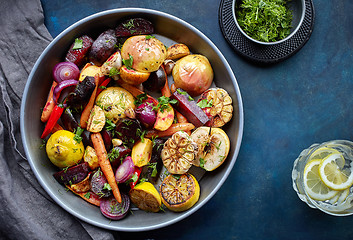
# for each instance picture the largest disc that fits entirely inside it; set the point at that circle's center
(178, 153)
(72, 175)
(156, 80)
(217, 103)
(177, 50)
(79, 50)
(69, 121)
(82, 93)
(114, 210)
(63, 149)
(117, 154)
(213, 147)
(144, 53)
(128, 130)
(96, 120)
(103, 47)
(134, 26)
(193, 73)
(130, 76)
(99, 184)
(188, 108)
(114, 101)
(142, 152)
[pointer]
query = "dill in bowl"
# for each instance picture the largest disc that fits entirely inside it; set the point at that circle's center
(265, 20)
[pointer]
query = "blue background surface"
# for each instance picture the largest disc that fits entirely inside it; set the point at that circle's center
(288, 106)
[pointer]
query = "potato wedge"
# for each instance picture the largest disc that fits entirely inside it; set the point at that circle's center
(91, 158)
(142, 152)
(178, 50)
(133, 77)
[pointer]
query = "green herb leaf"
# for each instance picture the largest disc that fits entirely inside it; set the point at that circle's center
(109, 125)
(204, 103)
(163, 103)
(78, 131)
(113, 72)
(128, 62)
(265, 20)
(78, 44)
(149, 37)
(140, 98)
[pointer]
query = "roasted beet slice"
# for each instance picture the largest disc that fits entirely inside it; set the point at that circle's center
(117, 154)
(156, 80)
(69, 121)
(154, 167)
(82, 93)
(103, 47)
(114, 210)
(99, 184)
(134, 26)
(73, 174)
(79, 50)
(188, 107)
(107, 138)
(128, 130)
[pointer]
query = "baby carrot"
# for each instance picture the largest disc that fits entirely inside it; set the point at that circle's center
(49, 105)
(104, 163)
(175, 127)
(181, 119)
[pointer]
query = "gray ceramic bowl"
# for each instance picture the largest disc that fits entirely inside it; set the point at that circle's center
(298, 11)
(38, 86)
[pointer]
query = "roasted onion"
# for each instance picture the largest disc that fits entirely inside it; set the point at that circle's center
(65, 71)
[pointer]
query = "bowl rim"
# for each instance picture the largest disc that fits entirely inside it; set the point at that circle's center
(270, 43)
(132, 11)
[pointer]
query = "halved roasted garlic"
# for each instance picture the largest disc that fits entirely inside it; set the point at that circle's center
(178, 153)
(213, 147)
(218, 106)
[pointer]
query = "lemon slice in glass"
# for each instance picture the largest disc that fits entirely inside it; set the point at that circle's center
(323, 152)
(332, 175)
(313, 185)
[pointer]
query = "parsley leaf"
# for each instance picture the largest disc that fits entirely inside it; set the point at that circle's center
(204, 103)
(140, 98)
(163, 103)
(128, 62)
(78, 131)
(113, 71)
(78, 44)
(149, 37)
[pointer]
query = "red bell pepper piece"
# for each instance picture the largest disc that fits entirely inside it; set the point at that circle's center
(103, 85)
(137, 172)
(53, 119)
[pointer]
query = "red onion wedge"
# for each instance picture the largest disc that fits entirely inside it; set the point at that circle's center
(125, 170)
(61, 86)
(65, 71)
(114, 210)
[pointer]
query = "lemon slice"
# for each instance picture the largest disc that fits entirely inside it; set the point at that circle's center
(334, 176)
(146, 197)
(179, 193)
(323, 152)
(313, 185)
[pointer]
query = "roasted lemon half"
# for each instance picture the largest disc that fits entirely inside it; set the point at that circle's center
(179, 193)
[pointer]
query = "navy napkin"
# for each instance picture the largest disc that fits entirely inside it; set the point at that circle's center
(27, 211)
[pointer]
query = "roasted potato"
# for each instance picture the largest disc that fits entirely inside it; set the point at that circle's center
(103, 47)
